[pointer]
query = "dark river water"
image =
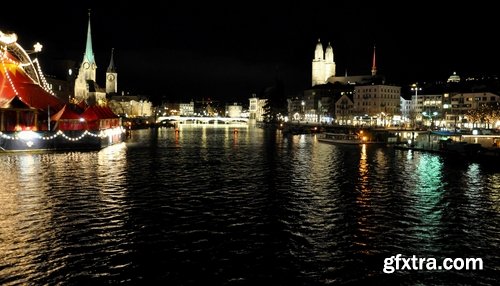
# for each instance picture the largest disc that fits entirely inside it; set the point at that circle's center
(208, 206)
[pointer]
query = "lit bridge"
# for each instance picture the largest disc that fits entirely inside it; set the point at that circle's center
(202, 120)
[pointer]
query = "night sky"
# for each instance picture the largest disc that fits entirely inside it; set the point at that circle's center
(183, 50)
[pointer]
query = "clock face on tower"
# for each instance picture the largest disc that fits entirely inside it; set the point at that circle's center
(86, 65)
(111, 77)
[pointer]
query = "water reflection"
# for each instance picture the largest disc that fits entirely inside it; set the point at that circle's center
(208, 206)
(57, 203)
(428, 193)
(363, 173)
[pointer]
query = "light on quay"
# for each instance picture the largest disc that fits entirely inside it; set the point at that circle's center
(416, 89)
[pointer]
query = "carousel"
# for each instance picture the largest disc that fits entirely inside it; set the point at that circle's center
(33, 118)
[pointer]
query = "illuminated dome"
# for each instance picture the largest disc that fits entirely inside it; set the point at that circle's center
(454, 77)
(22, 79)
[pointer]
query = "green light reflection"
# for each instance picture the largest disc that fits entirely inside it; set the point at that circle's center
(428, 194)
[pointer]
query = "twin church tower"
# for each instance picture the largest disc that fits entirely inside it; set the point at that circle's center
(86, 87)
(323, 66)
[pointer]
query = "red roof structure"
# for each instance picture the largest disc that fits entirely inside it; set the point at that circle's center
(67, 119)
(15, 82)
(95, 112)
(65, 113)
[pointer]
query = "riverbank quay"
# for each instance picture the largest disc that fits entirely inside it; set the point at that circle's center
(460, 147)
(390, 136)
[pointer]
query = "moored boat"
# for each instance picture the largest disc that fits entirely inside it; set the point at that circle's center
(346, 139)
(60, 140)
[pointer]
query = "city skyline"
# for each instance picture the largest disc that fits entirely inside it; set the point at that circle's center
(218, 51)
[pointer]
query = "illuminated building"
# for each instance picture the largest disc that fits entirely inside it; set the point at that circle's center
(324, 69)
(256, 108)
(323, 65)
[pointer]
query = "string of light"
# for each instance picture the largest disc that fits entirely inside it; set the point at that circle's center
(28, 135)
(45, 84)
(9, 79)
(36, 64)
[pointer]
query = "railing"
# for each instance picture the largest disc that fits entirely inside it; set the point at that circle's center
(202, 120)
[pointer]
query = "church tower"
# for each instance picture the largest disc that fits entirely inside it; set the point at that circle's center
(329, 63)
(111, 76)
(323, 64)
(318, 65)
(87, 71)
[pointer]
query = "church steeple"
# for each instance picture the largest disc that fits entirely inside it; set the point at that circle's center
(89, 53)
(319, 54)
(374, 66)
(86, 79)
(329, 63)
(111, 76)
(111, 67)
(329, 53)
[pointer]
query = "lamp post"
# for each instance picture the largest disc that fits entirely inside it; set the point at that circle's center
(430, 116)
(382, 119)
(303, 103)
(415, 88)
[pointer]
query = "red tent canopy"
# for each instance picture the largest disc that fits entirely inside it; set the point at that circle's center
(15, 82)
(95, 112)
(110, 112)
(67, 119)
(90, 114)
(65, 113)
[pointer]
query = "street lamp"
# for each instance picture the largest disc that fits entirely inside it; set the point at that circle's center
(382, 117)
(303, 103)
(430, 116)
(415, 88)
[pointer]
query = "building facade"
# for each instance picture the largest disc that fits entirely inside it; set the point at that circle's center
(374, 99)
(186, 109)
(234, 111)
(256, 108)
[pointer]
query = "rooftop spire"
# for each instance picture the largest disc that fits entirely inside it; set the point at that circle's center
(374, 66)
(89, 53)
(111, 67)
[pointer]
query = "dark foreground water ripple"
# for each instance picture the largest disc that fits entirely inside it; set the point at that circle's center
(208, 206)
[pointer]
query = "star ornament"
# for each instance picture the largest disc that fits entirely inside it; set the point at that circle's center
(38, 47)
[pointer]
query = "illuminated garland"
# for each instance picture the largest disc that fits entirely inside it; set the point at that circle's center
(7, 73)
(29, 135)
(45, 84)
(36, 63)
